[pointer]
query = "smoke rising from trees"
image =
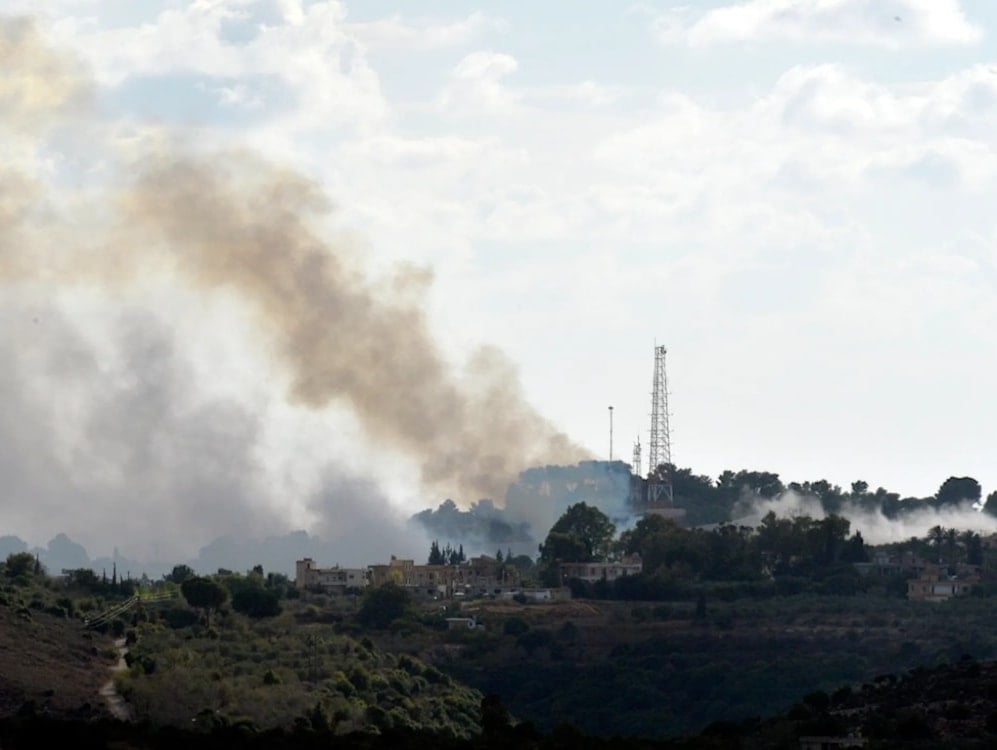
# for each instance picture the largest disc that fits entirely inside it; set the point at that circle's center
(875, 527)
(109, 424)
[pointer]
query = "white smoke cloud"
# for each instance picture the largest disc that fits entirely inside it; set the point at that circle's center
(875, 527)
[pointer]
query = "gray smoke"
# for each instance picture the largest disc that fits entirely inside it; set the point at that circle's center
(110, 430)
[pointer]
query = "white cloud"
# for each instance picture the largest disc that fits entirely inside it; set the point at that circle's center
(311, 51)
(396, 32)
(885, 23)
(476, 84)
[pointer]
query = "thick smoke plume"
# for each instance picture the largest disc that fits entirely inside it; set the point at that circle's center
(132, 441)
(236, 222)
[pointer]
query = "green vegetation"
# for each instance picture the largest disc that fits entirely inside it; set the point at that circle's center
(663, 670)
(582, 534)
(276, 672)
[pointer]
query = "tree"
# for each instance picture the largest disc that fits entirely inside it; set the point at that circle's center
(854, 549)
(974, 547)
(951, 545)
(633, 541)
(583, 534)
(204, 593)
(20, 565)
(180, 573)
(761, 483)
(936, 535)
(956, 490)
(256, 602)
(660, 543)
(990, 506)
(495, 719)
(85, 578)
(383, 605)
(435, 555)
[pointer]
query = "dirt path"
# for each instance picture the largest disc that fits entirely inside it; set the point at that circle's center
(115, 703)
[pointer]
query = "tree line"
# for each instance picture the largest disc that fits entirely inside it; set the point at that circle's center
(778, 556)
(708, 501)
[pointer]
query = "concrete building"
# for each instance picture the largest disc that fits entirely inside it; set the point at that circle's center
(336, 580)
(479, 576)
(935, 584)
(422, 580)
(601, 571)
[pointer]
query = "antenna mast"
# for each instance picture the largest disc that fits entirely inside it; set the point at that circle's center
(661, 444)
(636, 462)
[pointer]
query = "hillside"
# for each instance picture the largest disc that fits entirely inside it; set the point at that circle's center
(51, 665)
(664, 670)
(679, 672)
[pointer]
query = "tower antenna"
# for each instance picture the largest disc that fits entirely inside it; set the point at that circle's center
(661, 444)
(636, 462)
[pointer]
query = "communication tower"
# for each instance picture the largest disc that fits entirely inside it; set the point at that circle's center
(660, 489)
(636, 462)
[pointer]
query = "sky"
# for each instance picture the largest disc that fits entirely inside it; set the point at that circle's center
(793, 196)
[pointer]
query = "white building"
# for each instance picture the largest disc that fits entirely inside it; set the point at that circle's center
(336, 579)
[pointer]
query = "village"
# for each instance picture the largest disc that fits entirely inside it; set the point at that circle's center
(485, 576)
(482, 576)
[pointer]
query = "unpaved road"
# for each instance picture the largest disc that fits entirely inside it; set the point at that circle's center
(115, 703)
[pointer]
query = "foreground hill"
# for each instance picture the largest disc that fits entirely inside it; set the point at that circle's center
(669, 669)
(49, 663)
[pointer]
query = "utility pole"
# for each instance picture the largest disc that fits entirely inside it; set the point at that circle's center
(611, 434)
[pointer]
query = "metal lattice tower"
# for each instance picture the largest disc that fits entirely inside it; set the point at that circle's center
(636, 462)
(661, 444)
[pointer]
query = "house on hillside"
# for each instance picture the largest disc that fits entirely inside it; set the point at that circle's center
(486, 576)
(601, 571)
(421, 580)
(307, 575)
(935, 584)
(479, 576)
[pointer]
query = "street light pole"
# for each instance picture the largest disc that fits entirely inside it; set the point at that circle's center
(611, 434)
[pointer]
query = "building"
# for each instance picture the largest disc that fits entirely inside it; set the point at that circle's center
(479, 576)
(421, 580)
(601, 571)
(935, 584)
(336, 580)
(486, 576)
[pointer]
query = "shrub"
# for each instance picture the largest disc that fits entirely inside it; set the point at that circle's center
(360, 677)
(178, 618)
(256, 602)
(271, 678)
(383, 605)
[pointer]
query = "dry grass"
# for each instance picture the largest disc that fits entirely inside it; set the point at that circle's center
(52, 662)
